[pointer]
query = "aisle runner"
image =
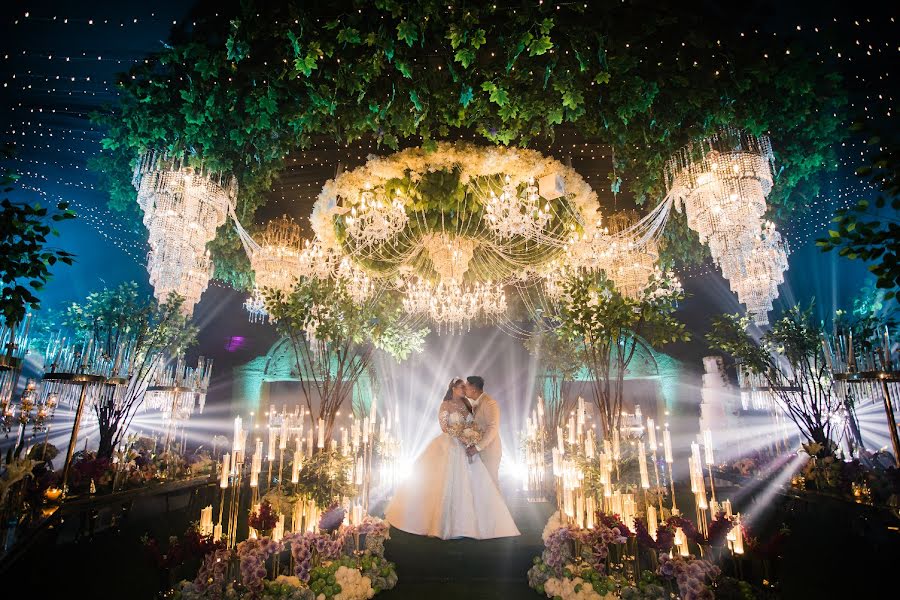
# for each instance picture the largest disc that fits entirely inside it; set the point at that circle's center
(432, 569)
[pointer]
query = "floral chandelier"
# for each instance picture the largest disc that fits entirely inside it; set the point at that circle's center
(484, 197)
(451, 229)
(183, 206)
(722, 182)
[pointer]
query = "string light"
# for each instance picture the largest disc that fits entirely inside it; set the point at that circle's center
(866, 67)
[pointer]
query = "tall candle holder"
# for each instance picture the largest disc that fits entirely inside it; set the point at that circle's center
(177, 390)
(13, 346)
(866, 370)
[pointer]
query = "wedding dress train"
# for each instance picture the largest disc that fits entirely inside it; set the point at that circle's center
(446, 496)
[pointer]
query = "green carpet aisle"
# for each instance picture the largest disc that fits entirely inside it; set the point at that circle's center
(432, 569)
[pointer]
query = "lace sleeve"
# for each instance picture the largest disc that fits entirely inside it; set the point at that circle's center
(444, 416)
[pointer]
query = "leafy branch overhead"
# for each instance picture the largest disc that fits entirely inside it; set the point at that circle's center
(25, 258)
(870, 231)
(244, 90)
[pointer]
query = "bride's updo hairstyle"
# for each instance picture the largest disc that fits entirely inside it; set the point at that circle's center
(453, 383)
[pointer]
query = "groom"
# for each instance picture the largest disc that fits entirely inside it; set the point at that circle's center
(487, 415)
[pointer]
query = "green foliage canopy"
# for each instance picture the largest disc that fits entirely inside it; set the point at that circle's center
(243, 90)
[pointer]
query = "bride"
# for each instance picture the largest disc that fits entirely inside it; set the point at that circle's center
(446, 496)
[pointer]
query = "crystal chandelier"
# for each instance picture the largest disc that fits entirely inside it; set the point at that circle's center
(625, 260)
(276, 262)
(722, 182)
(374, 217)
(450, 257)
(357, 283)
(513, 214)
(255, 306)
(758, 287)
(453, 306)
(316, 261)
(179, 267)
(177, 390)
(183, 206)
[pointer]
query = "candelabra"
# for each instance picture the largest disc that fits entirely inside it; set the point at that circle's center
(866, 370)
(581, 491)
(13, 345)
(176, 391)
(535, 454)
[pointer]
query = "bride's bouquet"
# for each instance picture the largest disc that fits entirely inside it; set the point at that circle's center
(468, 434)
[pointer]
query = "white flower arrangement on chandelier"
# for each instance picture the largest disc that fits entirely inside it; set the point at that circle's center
(521, 167)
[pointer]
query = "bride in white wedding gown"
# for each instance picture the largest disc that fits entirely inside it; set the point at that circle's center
(446, 496)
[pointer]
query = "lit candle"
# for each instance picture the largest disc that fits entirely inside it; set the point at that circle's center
(628, 510)
(737, 546)
(223, 481)
(651, 521)
(604, 475)
(651, 435)
(708, 447)
(321, 433)
(589, 444)
(206, 524)
(591, 509)
(309, 444)
(271, 453)
(295, 467)
(579, 511)
(888, 364)
(667, 445)
(616, 446)
(238, 438)
(284, 431)
(278, 532)
(642, 463)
